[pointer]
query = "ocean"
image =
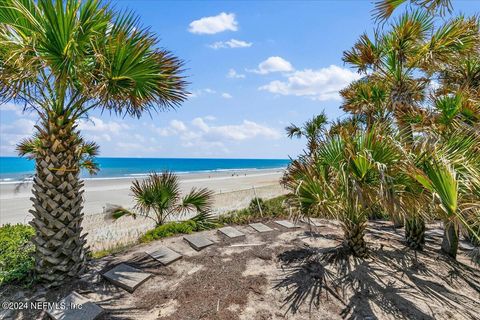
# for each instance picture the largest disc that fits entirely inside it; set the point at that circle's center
(17, 169)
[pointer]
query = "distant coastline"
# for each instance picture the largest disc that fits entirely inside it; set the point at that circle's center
(16, 169)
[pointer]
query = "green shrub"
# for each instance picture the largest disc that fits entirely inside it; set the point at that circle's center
(202, 221)
(272, 208)
(169, 229)
(16, 252)
(255, 205)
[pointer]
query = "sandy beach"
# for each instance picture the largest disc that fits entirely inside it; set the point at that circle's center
(233, 190)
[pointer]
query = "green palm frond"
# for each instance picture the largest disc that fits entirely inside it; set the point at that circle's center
(441, 179)
(365, 54)
(449, 107)
(459, 35)
(293, 131)
(199, 200)
(158, 192)
(70, 56)
(160, 195)
(385, 8)
(205, 221)
(86, 153)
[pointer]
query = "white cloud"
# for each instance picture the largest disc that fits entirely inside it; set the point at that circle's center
(273, 64)
(226, 95)
(201, 92)
(11, 134)
(19, 127)
(12, 107)
(322, 84)
(232, 43)
(246, 130)
(234, 75)
(94, 124)
(214, 24)
(133, 148)
(201, 133)
(178, 125)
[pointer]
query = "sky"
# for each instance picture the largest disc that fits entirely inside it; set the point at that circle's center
(254, 67)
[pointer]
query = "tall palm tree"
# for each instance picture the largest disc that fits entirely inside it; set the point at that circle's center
(405, 58)
(343, 181)
(158, 197)
(311, 130)
(63, 59)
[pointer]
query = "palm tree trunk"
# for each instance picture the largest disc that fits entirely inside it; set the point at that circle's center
(354, 238)
(450, 239)
(415, 232)
(57, 203)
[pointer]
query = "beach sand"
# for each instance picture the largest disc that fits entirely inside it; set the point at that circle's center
(233, 190)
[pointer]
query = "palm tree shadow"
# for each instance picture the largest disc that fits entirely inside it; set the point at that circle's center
(306, 274)
(311, 274)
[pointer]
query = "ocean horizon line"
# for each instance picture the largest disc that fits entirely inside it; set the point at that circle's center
(17, 170)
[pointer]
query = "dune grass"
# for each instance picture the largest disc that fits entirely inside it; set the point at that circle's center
(271, 208)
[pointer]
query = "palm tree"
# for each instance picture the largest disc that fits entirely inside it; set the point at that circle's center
(366, 99)
(450, 172)
(406, 57)
(311, 130)
(404, 198)
(405, 60)
(158, 197)
(63, 59)
(343, 181)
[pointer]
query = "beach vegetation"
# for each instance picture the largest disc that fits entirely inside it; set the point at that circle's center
(409, 147)
(16, 254)
(111, 250)
(257, 206)
(343, 181)
(312, 130)
(200, 222)
(418, 97)
(271, 208)
(62, 60)
(159, 198)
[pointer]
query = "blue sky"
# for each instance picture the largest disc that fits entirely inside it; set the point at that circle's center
(253, 67)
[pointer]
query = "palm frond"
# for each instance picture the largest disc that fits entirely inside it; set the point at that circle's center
(293, 131)
(385, 8)
(158, 192)
(199, 200)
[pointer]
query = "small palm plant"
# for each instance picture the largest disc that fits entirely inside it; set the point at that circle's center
(158, 197)
(450, 172)
(405, 198)
(343, 181)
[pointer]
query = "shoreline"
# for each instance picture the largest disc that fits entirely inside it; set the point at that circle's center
(9, 181)
(100, 193)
